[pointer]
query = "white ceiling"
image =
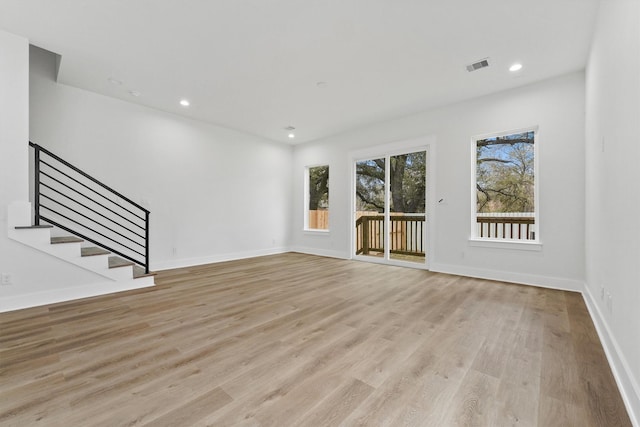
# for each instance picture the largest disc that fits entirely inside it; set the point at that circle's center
(254, 65)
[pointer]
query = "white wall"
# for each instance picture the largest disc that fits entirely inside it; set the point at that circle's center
(30, 272)
(14, 131)
(214, 193)
(613, 189)
(14, 119)
(556, 106)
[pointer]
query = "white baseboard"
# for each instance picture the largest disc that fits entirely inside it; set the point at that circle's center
(68, 294)
(627, 384)
(559, 283)
(212, 259)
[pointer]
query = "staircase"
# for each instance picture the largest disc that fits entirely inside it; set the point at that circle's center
(77, 219)
(77, 251)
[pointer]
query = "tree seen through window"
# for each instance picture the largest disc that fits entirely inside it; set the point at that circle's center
(505, 173)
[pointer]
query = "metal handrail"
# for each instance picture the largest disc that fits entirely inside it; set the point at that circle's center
(91, 209)
(87, 187)
(85, 214)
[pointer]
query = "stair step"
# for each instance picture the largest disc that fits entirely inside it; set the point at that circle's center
(65, 239)
(94, 251)
(28, 227)
(116, 261)
(139, 272)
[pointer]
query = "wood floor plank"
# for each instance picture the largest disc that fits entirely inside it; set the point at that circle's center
(474, 404)
(296, 339)
(380, 362)
(194, 410)
(559, 413)
(332, 410)
(594, 372)
(257, 381)
(520, 384)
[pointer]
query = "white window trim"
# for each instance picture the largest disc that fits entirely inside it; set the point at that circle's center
(316, 232)
(487, 242)
(306, 229)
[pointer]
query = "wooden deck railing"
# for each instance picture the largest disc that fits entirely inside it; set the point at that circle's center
(506, 227)
(406, 237)
(407, 232)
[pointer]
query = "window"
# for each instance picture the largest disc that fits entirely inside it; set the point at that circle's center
(505, 187)
(317, 200)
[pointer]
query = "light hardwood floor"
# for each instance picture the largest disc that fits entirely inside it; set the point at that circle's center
(298, 340)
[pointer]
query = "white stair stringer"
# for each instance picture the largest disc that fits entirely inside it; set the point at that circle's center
(40, 239)
(118, 278)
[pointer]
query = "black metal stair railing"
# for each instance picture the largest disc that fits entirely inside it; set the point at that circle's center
(74, 201)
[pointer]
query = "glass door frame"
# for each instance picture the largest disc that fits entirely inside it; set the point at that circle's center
(426, 144)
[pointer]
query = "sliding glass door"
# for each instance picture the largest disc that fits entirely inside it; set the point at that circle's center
(370, 207)
(390, 201)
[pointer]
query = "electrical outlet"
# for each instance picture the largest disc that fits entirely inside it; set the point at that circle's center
(174, 251)
(5, 279)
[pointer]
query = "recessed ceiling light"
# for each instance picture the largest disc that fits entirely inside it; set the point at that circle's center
(515, 67)
(134, 93)
(290, 129)
(184, 103)
(114, 81)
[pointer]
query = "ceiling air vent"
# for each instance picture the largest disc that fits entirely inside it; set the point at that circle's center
(483, 63)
